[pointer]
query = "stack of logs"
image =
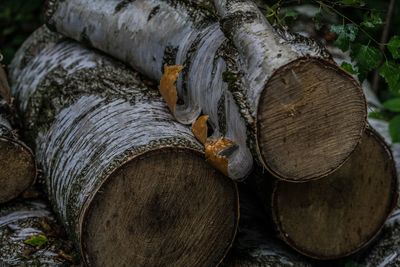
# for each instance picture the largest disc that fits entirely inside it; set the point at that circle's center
(133, 184)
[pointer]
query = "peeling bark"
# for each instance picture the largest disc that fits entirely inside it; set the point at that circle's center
(24, 219)
(278, 97)
(17, 163)
(128, 182)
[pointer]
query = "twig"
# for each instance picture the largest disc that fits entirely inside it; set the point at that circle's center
(350, 20)
(384, 39)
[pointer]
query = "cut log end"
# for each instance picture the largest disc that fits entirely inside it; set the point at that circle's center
(311, 117)
(17, 169)
(151, 217)
(344, 212)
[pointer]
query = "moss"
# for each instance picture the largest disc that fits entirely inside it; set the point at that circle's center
(58, 90)
(37, 41)
(296, 39)
(200, 12)
(169, 56)
(230, 77)
(222, 115)
(231, 22)
(234, 78)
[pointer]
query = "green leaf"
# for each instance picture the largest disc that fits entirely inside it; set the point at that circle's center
(345, 34)
(377, 115)
(394, 46)
(394, 129)
(36, 241)
(348, 67)
(367, 58)
(393, 104)
(372, 20)
(390, 71)
(291, 13)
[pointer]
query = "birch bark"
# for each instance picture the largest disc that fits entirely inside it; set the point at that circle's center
(278, 97)
(128, 181)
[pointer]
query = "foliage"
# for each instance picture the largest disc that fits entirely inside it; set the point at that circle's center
(18, 18)
(358, 27)
(36, 241)
(346, 34)
(361, 24)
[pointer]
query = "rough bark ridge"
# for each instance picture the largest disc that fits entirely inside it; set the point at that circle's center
(100, 132)
(17, 163)
(24, 219)
(234, 82)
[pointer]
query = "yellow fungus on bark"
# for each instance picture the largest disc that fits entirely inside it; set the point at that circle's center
(168, 87)
(213, 149)
(200, 129)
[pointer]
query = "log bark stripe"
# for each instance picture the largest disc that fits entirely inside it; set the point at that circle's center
(272, 93)
(102, 137)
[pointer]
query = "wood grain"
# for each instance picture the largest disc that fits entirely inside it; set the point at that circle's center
(233, 61)
(129, 183)
(308, 120)
(339, 215)
(17, 163)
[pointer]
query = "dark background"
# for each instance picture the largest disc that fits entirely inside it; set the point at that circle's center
(18, 19)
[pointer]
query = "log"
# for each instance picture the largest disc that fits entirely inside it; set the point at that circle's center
(17, 163)
(256, 245)
(129, 182)
(342, 214)
(372, 159)
(278, 97)
(274, 59)
(23, 220)
(385, 252)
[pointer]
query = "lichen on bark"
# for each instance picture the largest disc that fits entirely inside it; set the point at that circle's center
(87, 115)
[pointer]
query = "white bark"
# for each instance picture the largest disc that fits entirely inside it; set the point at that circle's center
(262, 48)
(223, 77)
(85, 128)
(148, 34)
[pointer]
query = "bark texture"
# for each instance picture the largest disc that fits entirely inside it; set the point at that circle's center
(17, 164)
(103, 137)
(21, 220)
(237, 81)
(385, 251)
